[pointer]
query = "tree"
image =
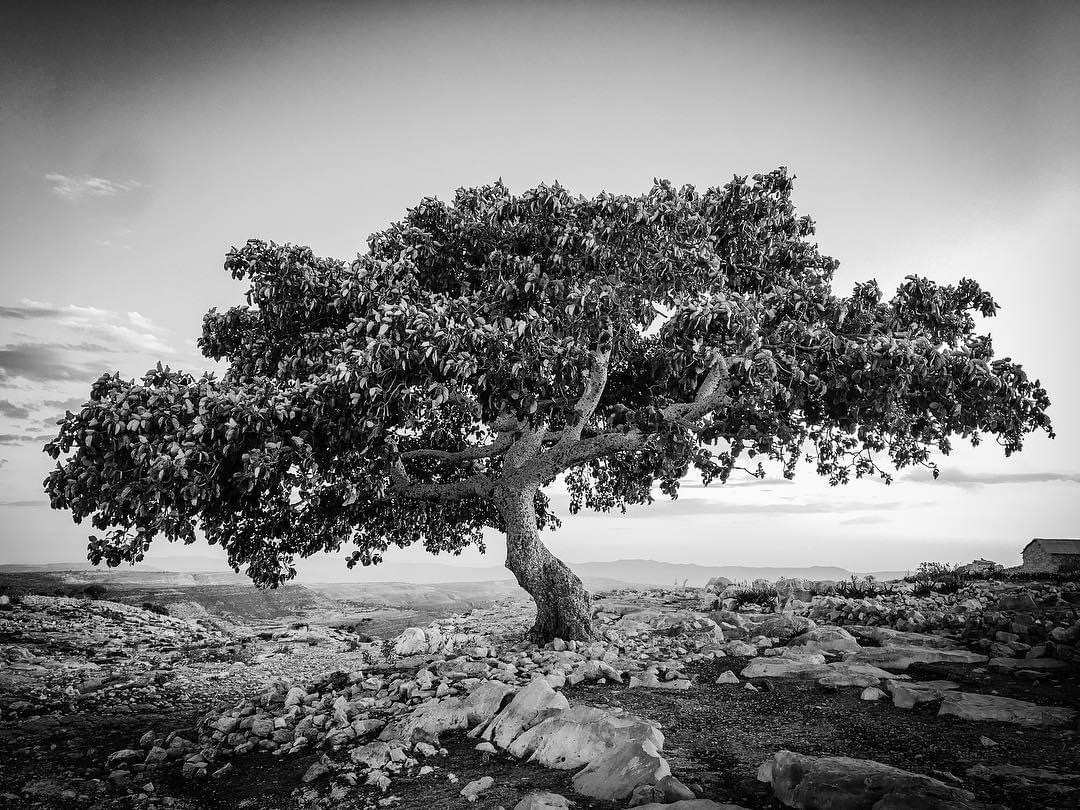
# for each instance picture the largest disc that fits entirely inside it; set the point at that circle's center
(480, 350)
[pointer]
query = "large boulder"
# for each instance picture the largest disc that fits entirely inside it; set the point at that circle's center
(583, 734)
(614, 775)
(523, 711)
(994, 708)
(843, 783)
(412, 641)
(431, 719)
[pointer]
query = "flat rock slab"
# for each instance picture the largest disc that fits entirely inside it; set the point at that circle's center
(843, 783)
(846, 673)
(997, 709)
(840, 673)
(887, 637)
(777, 667)
(689, 804)
(898, 658)
(1036, 664)
(912, 693)
(826, 639)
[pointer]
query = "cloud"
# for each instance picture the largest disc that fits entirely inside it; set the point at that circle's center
(967, 480)
(13, 411)
(23, 504)
(15, 438)
(48, 362)
(101, 330)
(83, 187)
(70, 404)
(3, 463)
(864, 520)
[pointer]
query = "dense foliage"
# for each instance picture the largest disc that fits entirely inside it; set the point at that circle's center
(503, 340)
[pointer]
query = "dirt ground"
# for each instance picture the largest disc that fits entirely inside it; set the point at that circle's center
(716, 736)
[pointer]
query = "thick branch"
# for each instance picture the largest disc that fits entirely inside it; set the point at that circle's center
(467, 454)
(476, 486)
(590, 397)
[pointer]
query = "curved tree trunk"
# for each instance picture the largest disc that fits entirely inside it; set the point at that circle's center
(562, 603)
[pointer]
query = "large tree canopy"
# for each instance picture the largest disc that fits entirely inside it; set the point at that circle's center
(480, 349)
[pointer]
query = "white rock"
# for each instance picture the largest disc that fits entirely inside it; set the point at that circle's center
(522, 712)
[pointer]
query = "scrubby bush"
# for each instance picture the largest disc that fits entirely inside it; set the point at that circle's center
(765, 596)
(95, 591)
(932, 577)
(866, 588)
(161, 610)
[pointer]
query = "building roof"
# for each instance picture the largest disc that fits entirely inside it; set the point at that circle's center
(1051, 546)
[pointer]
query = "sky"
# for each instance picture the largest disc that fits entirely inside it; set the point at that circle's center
(139, 141)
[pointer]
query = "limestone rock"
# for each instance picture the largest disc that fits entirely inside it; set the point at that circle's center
(472, 790)
(785, 626)
(778, 667)
(888, 637)
(583, 734)
(615, 775)
(846, 673)
(826, 639)
(522, 712)
(542, 800)
(898, 658)
(994, 708)
(843, 783)
(412, 641)
(908, 695)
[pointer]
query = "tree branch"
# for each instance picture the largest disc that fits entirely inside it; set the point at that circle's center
(476, 486)
(467, 454)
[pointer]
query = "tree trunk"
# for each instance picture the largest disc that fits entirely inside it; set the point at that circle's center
(562, 603)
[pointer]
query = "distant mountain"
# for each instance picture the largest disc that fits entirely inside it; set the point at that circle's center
(205, 570)
(637, 572)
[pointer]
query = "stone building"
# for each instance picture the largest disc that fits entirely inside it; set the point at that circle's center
(1043, 554)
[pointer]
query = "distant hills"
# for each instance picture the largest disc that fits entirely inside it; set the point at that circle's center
(204, 571)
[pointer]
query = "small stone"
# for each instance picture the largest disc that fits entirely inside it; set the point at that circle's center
(727, 677)
(473, 790)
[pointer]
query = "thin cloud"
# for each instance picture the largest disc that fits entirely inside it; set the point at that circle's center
(85, 187)
(864, 520)
(15, 438)
(69, 404)
(120, 331)
(967, 480)
(47, 362)
(13, 411)
(23, 504)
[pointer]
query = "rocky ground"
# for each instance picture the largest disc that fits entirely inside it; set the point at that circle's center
(895, 701)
